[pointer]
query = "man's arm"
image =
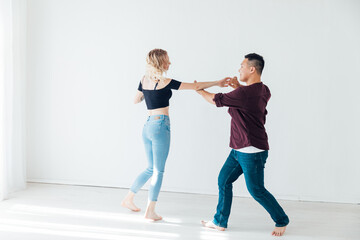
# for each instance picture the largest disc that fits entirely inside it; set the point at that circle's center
(235, 99)
(207, 96)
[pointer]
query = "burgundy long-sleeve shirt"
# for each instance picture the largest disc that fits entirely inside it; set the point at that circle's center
(247, 108)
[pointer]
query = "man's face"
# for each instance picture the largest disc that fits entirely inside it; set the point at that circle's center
(245, 70)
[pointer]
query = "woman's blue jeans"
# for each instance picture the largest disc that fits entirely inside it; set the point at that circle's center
(252, 165)
(156, 136)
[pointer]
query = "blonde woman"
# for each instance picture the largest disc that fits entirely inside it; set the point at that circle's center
(156, 90)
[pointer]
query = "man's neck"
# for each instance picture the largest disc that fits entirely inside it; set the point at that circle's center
(253, 81)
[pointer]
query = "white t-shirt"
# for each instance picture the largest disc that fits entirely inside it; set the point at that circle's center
(249, 149)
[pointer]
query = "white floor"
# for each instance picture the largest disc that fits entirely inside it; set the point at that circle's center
(54, 212)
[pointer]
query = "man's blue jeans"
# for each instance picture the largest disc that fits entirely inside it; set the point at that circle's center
(252, 165)
(156, 137)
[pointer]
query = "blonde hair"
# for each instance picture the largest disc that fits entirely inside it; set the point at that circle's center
(155, 61)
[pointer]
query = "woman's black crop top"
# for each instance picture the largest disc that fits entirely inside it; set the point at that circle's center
(159, 98)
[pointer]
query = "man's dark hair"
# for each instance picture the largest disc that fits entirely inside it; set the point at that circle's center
(257, 61)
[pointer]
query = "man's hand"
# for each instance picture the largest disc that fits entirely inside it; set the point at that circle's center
(224, 82)
(234, 83)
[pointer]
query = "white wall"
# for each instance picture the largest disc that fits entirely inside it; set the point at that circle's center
(12, 96)
(85, 59)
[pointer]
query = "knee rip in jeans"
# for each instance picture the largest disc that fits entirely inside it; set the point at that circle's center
(158, 172)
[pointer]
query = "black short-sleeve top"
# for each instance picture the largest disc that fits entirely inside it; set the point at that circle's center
(159, 98)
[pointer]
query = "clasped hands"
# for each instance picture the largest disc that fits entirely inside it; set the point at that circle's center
(225, 82)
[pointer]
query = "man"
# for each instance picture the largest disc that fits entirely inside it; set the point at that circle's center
(249, 143)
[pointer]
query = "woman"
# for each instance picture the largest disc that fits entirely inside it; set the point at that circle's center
(156, 90)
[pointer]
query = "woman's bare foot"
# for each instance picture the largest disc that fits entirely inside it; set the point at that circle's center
(128, 202)
(130, 205)
(278, 231)
(150, 212)
(210, 224)
(152, 216)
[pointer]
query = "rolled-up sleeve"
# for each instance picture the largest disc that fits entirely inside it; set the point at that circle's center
(236, 99)
(217, 99)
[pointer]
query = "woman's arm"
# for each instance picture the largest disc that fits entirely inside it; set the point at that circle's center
(138, 97)
(202, 85)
